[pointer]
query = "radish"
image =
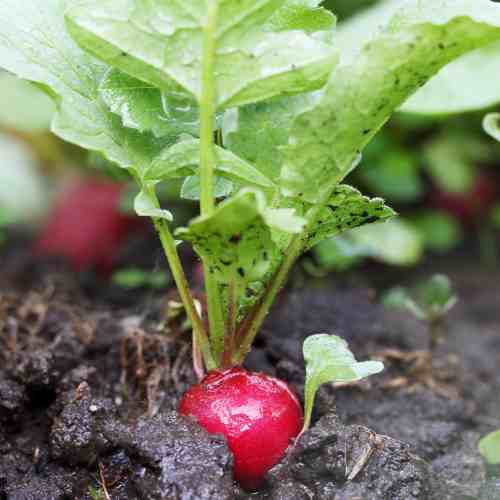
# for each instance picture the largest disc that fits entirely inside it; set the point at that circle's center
(259, 416)
(86, 226)
(471, 206)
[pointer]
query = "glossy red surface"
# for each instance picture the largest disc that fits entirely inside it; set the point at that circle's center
(258, 414)
(86, 226)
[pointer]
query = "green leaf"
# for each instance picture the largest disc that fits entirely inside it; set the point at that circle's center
(391, 170)
(440, 231)
(302, 15)
(191, 188)
(430, 300)
(395, 242)
(237, 242)
(451, 159)
(347, 209)
(23, 107)
(257, 132)
(146, 206)
(492, 125)
(339, 253)
(400, 298)
(133, 278)
(463, 85)
(183, 159)
(328, 359)
(436, 295)
(420, 39)
(489, 447)
(35, 46)
(142, 106)
(161, 42)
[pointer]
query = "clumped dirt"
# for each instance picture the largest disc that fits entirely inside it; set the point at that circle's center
(89, 387)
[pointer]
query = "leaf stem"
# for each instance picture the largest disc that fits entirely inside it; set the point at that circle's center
(170, 250)
(207, 112)
(252, 327)
(207, 167)
(230, 332)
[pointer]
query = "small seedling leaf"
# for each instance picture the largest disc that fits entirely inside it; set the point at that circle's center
(436, 295)
(430, 300)
(400, 298)
(161, 43)
(489, 447)
(146, 206)
(329, 359)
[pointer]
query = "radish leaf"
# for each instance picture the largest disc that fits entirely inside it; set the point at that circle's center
(145, 206)
(142, 106)
(328, 359)
(183, 159)
(363, 92)
(161, 42)
(347, 209)
(489, 447)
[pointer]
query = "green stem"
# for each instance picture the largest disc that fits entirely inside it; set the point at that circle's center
(435, 333)
(207, 113)
(170, 249)
(207, 167)
(294, 250)
(252, 327)
(230, 331)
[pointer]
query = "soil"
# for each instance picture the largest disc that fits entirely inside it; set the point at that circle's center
(90, 378)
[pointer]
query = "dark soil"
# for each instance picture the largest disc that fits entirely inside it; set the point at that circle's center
(90, 379)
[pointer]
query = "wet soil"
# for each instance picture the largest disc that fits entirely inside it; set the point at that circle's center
(90, 379)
